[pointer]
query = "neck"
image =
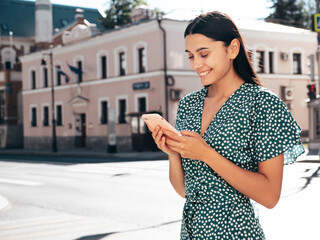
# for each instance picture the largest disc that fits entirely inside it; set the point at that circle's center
(225, 87)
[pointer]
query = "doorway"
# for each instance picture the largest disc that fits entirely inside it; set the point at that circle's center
(80, 130)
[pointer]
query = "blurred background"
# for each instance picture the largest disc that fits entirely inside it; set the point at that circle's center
(77, 160)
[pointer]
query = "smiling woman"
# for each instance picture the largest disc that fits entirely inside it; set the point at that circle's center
(235, 137)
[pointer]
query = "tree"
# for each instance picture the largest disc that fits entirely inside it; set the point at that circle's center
(118, 13)
(291, 12)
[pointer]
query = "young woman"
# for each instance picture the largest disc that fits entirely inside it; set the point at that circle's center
(236, 137)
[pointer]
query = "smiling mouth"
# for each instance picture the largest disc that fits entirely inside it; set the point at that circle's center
(204, 73)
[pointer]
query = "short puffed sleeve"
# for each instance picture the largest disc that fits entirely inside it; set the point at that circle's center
(274, 130)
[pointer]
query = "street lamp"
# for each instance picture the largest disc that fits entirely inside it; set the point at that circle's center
(54, 136)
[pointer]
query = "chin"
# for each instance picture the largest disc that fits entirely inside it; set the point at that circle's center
(206, 83)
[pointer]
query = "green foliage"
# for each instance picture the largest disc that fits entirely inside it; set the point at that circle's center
(295, 13)
(118, 13)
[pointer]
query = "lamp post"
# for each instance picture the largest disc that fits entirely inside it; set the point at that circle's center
(54, 136)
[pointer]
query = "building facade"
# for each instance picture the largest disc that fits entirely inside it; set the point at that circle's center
(121, 74)
(25, 27)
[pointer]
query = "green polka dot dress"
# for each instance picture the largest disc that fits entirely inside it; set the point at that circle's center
(253, 125)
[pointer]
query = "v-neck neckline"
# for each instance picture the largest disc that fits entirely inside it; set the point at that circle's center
(205, 91)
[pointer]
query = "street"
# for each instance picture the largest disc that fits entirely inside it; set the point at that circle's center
(129, 201)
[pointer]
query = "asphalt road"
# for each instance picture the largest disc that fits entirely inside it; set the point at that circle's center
(129, 201)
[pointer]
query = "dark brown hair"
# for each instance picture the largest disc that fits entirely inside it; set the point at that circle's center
(219, 27)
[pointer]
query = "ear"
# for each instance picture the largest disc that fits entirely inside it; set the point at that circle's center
(234, 48)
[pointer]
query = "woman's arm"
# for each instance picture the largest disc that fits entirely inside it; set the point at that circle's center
(176, 173)
(263, 186)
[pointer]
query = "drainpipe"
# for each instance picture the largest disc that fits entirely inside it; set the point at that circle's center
(159, 18)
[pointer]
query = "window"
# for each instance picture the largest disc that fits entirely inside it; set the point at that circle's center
(45, 116)
(142, 60)
(33, 79)
(45, 77)
(297, 63)
(104, 67)
(142, 107)
(271, 62)
(2, 107)
(122, 67)
(58, 74)
(122, 111)
(260, 58)
(7, 65)
(104, 112)
(79, 65)
(33, 117)
(59, 115)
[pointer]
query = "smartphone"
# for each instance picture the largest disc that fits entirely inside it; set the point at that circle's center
(154, 119)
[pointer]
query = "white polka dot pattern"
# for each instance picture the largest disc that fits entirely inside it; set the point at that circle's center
(253, 125)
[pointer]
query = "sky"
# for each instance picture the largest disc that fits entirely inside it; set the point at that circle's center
(236, 9)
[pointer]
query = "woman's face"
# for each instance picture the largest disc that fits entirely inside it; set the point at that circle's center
(210, 59)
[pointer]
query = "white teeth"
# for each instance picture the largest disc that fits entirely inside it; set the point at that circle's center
(204, 73)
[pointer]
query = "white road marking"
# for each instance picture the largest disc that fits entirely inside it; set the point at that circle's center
(20, 182)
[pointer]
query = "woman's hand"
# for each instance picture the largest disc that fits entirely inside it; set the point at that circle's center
(189, 145)
(160, 140)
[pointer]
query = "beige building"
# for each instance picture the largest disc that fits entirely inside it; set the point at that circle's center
(121, 74)
(25, 27)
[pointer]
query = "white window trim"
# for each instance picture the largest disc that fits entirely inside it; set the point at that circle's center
(12, 55)
(55, 64)
(117, 60)
(118, 98)
(100, 54)
(275, 59)
(136, 102)
(260, 47)
(30, 114)
(102, 99)
(32, 68)
(55, 112)
(302, 52)
(42, 113)
(42, 75)
(136, 55)
(75, 64)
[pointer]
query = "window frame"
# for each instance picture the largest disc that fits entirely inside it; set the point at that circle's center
(100, 100)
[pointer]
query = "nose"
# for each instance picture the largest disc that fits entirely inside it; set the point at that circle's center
(197, 63)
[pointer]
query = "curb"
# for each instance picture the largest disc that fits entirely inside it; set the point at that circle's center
(131, 156)
(3, 203)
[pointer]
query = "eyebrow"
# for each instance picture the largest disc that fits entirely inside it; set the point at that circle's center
(198, 50)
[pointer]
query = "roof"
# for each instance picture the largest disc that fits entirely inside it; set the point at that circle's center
(18, 16)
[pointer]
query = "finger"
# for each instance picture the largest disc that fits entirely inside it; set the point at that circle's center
(173, 148)
(189, 134)
(172, 142)
(171, 134)
(155, 132)
(158, 136)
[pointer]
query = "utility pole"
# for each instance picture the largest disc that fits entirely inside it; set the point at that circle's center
(54, 136)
